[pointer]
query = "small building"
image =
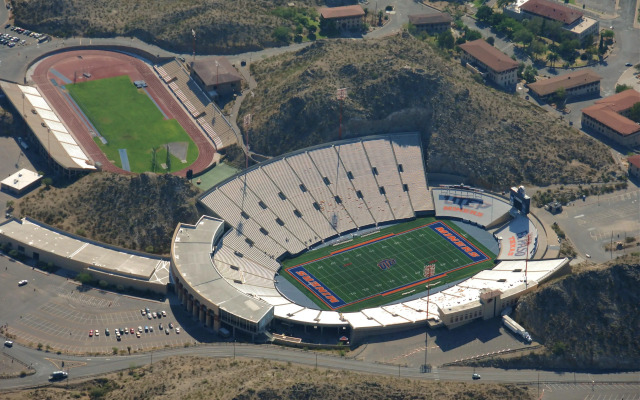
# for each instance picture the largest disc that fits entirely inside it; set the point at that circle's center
(433, 23)
(21, 182)
(572, 20)
(345, 18)
(577, 83)
(610, 118)
(491, 62)
(634, 166)
(216, 76)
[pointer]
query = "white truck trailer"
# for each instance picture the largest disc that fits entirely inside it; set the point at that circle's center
(514, 327)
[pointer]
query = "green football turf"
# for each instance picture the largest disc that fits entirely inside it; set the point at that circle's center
(355, 277)
(129, 119)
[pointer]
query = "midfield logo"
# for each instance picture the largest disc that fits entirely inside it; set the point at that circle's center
(386, 263)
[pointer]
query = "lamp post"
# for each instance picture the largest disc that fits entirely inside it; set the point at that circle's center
(429, 271)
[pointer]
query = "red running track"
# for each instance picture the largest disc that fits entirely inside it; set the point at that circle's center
(106, 64)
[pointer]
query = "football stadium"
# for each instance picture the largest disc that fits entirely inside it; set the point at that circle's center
(346, 240)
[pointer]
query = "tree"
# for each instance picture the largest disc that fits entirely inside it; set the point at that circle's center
(552, 57)
(282, 34)
(537, 47)
(445, 39)
(559, 97)
(84, 278)
(484, 13)
(472, 34)
(523, 36)
(47, 183)
(491, 40)
(530, 74)
(634, 113)
(622, 88)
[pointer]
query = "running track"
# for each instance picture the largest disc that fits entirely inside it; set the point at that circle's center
(155, 87)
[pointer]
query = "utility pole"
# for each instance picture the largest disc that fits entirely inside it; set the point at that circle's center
(341, 94)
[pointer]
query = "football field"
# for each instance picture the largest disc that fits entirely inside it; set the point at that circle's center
(132, 125)
(388, 265)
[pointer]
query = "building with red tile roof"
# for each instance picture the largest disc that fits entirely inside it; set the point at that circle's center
(634, 166)
(609, 117)
(577, 83)
(432, 23)
(347, 17)
(494, 64)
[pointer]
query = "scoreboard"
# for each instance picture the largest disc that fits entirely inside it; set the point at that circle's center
(519, 200)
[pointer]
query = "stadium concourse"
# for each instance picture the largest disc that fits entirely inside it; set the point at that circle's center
(298, 201)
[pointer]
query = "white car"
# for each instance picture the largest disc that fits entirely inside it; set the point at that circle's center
(23, 282)
(97, 332)
(177, 330)
(8, 343)
(139, 329)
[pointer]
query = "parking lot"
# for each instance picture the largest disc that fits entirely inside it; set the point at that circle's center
(58, 313)
(13, 36)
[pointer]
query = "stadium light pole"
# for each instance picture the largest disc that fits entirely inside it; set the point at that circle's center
(429, 271)
(341, 94)
(193, 34)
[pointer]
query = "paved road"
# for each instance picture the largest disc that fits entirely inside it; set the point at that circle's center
(101, 365)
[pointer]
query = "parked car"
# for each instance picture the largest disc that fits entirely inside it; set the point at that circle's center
(138, 334)
(164, 314)
(177, 330)
(132, 331)
(166, 331)
(106, 331)
(97, 332)
(151, 329)
(23, 282)
(90, 332)
(143, 312)
(628, 65)
(146, 328)
(170, 325)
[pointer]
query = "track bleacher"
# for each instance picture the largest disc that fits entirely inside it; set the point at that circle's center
(207, 114)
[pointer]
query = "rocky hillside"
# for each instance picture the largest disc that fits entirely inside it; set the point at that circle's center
(222, 26)
(135, 212)
(589, 319)
(207, 378)
(403, 84)
(9, 124)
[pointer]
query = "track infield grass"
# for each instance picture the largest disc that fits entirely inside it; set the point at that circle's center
(128, 119)
(386, 266)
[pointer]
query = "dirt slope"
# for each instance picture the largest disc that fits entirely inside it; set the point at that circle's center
(139, 212)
